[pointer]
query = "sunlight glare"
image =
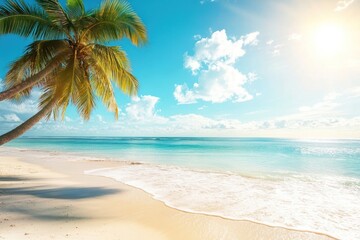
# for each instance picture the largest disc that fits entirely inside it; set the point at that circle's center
(329, 40)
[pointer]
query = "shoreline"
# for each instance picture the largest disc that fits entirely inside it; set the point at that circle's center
(180, 224)
(224, 218)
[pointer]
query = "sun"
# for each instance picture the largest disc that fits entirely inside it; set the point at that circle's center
(329, 40)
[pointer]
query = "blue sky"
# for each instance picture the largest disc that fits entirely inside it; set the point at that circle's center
(227, 68)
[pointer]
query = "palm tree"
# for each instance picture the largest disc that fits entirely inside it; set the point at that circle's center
(68, 60)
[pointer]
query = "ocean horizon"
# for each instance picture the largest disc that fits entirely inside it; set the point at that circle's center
(311, 185)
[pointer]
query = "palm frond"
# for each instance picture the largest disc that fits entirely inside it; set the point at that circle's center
(37, 56)
(115, 63)
(73, 86)
(114, 20)
(17, 17)
(83, 97)
(64, 85)
(55, 12)
(47, 94)
(102, 86)
(112, 57)
(76, 8)
(126, 82)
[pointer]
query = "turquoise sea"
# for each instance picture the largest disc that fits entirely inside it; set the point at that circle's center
(302, 184)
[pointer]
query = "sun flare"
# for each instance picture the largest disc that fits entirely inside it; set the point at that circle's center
(329, 40)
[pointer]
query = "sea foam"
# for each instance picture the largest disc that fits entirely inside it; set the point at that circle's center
(310, 202)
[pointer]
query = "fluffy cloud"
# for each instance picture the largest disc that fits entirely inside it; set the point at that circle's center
(205, 1)
(219, 48)
(276, 49)
(142, 117)
(342, 4)
(213, 62)
(251, 39)
(294, 37)
(325, 116)
(8, 122)
(99, 118)
(28, 106)
(143, 109)
(329, 123)
(217, 84)
(10, 118)
(270, 42)
(190, 122)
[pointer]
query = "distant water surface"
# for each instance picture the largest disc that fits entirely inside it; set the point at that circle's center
(309, 185)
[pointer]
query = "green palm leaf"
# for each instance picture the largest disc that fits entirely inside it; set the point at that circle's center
(102, 85)
(76, 8)
(37, 56)
(17, 17)
(55, 12)
(114, 61)
(114, 20)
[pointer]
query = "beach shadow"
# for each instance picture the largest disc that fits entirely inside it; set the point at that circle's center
(54, 211)
(46, 214)
(13, 179)
(60, 193)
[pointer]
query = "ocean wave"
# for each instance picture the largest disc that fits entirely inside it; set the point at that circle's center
(330, 151)
(317, 203)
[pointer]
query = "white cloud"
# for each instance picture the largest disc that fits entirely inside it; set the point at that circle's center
(220, 48)
(202, 107)
(251, 38)
(342, 4)
(276, 49)
(183, 95)
(252, 76)
(294, 37)
(143, 109)
(205, 1)
(191, 64)
(197, 37)
(100, 118)
(217, 84)
(68, 119)
(326, 116)
(213, 62)
(300, 125)
(142, 117)
(10, 118)
(28, 106)
(327, 113)
(270, 42)
(195, 122)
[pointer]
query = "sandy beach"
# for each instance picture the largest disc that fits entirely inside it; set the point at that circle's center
(45, 196)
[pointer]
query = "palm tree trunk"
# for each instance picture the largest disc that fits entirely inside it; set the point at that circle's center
(27, 124)
(29, 82)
